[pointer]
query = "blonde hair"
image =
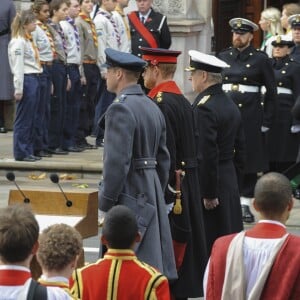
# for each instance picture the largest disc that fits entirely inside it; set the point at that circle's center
(22, 18)
(291, 8)
(273, 15)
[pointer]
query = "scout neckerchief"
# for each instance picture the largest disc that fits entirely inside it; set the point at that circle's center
(125, 21)
(110, 18)
(91, 23)
(59, 30)
(29, 38)
(76, 33)
(143, 31)
(49, 35)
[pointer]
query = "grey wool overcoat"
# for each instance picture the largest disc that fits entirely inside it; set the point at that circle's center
(136, 170)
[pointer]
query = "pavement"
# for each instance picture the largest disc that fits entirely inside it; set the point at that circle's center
(77, 171)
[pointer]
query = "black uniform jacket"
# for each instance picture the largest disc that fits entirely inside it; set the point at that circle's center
(295, 53)
(153, 23)
(253, 68)
(221, 144)
(187, 228)
(282, 143)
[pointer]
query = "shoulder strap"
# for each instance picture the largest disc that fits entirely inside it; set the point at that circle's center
(144, 32)
(36, 291)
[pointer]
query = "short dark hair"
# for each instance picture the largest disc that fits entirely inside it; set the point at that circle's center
(120, 227)
(59, 246)
(272, 194)
(19, 231)
(55, 5)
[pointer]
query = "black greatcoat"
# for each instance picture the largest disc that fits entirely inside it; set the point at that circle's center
(295, 53)
(220, 142)
(252, 67)
(282, 143)
(162, 35)
(188, 227)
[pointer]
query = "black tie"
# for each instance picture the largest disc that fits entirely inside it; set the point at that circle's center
(143, 20)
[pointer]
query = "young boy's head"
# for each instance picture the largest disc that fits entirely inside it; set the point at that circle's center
(19, 233)
(120, 230)
(60, 246)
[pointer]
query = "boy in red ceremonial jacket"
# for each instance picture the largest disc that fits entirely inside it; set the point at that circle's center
(119, 275)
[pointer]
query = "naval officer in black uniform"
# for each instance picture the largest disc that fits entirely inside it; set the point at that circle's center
(250, 70)
(286, 129)
(294, 22)
(220, 147)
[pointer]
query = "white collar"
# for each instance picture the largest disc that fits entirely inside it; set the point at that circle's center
(272, 222)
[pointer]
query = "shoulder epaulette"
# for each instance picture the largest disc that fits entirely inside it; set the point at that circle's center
(226, 49)
(262, 52)
(121, 98)
(159, 97)
(203, 100)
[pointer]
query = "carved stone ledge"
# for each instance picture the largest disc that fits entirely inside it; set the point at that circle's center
(178, 26)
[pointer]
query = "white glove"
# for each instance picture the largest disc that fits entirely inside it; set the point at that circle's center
(169, 207)
(264, 129)
(295, 129)
(101, 216)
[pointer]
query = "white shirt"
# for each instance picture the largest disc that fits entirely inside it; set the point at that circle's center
(73, 54)
(41, 39)
(19, 292)
(256, 254)
(125, 43)
(23, 60)
(106, 38)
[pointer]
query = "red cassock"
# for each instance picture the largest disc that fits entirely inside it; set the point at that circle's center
(284, 278)
(119, 276)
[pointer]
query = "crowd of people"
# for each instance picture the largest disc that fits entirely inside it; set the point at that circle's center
(176, 176)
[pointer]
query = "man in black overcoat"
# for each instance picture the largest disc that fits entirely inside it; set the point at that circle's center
(220, 144)
(185, 209)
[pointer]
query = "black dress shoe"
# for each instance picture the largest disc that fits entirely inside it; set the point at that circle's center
(35, 157)
(3, 130)
(27, 159)
(100, 143)
(74, 149)
(247, 215)
(58, 151)
(89, 146)
(43, 154)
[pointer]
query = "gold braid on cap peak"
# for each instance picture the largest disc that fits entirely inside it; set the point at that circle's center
(278, 39)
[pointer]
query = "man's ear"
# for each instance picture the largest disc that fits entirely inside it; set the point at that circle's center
(138, 237)
(103, 240)
(255, 205)
(35, 248)
(291, 204)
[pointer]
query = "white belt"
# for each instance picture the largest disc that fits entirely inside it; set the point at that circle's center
(281, 90)
(235, 87)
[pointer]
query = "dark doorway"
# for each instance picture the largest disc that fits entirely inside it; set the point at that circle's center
(224, 10)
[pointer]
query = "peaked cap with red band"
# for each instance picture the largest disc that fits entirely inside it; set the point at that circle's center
(155, 56)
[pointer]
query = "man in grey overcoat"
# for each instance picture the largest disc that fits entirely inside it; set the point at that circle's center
(136, 160)
(7, 14)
